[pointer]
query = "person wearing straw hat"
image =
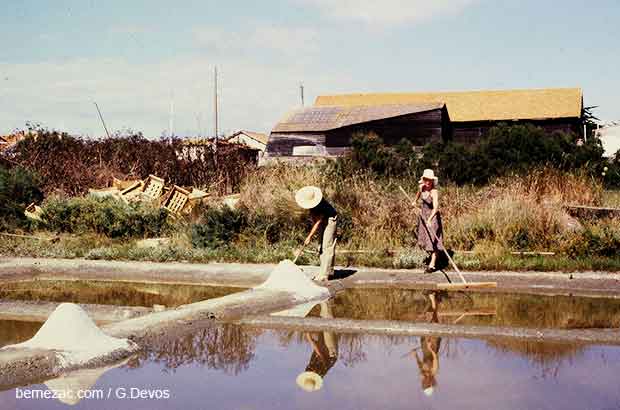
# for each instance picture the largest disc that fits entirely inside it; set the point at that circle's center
(430, 227)
(324, 218)
(324, 355)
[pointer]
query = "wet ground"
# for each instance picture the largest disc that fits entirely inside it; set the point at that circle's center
(229, 367)
(111, 293)
(475, 308)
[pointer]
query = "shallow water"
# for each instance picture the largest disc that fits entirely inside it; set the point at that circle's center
(13, 331)
(471, 308)
(111, 293)
(228, 367)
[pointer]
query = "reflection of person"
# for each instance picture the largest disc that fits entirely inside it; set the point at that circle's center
(324, 355)
(324, 218)
(428, 361)
(429, 218)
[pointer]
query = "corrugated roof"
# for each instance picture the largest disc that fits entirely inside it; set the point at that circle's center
(479, 105)
(325, 118)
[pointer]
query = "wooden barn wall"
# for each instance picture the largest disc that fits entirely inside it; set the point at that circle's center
(420, 128)
(471, 132)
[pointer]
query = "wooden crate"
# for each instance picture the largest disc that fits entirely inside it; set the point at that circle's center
(176, 200)
(153, 187)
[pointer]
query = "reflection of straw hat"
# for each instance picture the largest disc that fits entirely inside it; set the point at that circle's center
(428, 391)
(308, 197)
(310, 381)
(428, 174)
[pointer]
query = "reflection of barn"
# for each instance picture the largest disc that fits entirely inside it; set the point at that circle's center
(326, 128)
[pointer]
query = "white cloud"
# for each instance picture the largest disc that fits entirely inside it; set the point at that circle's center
(254, 94)
(284, 40)
(389, 11)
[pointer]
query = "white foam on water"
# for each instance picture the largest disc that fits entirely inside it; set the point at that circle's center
(288, 277)
(70, 331)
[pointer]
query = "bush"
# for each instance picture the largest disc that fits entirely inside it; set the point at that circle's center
(219, 227)
(506, 150)
(18, 188)
(107, 216)
(88, 163)
(600, 239)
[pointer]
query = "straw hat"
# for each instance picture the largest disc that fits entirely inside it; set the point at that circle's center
(308, 197)
(428, 174)
(310, 381)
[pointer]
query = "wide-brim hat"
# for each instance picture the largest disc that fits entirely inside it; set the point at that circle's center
(428, 174)
(308, 197)
(310, 381)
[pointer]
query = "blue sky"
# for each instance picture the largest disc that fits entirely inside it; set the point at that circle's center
(134, 57)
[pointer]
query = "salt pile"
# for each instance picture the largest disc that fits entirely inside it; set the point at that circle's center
(78, 340)
(288, 277)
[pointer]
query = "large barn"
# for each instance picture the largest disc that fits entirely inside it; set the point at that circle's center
(326, 128)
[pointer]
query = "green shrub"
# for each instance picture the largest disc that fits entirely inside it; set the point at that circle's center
(107, 216)
(219, 227)
(18, 188)
(601, 239)
(506, 150)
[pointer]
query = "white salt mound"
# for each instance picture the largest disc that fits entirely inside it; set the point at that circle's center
(288, 277)
(72, 332)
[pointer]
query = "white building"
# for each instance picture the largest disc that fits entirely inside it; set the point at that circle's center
(251, 139)
(610, 137)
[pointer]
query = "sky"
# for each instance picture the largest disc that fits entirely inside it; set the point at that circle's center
(147, 62)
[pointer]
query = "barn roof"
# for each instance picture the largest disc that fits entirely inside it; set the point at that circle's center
(533, 104)
(330, 117)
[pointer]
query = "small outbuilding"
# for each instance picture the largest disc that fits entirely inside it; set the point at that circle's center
(251, 139)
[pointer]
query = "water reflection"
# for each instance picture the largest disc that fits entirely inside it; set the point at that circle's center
(237, 367)
(224, 347)
(324, 354)
(111, 293)
(69, 388)
(427, 355)
(14, 331)
(489, 309)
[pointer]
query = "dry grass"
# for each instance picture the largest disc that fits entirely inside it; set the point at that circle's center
(513, 213)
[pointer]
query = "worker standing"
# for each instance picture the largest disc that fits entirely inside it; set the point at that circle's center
(324, 218)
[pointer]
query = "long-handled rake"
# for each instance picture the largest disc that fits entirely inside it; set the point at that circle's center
(450, 286)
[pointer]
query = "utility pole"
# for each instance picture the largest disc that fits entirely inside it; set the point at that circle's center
(216, 113)
(301, 90)
(102, 121)
(171, 121)
(215, 104)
